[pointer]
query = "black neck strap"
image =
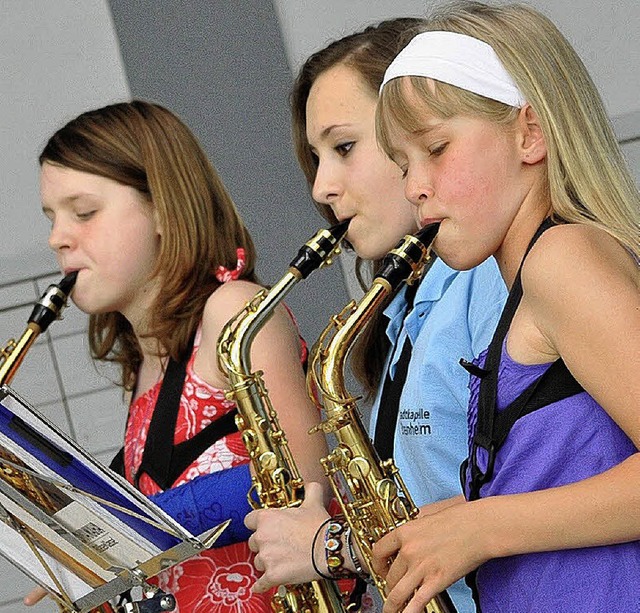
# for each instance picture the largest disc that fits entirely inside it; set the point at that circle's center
(493, 427)
(389, 405)
(163, 461)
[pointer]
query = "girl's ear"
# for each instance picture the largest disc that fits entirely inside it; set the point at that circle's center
(533, 148)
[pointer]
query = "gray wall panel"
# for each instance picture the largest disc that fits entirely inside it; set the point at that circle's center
(221, 66)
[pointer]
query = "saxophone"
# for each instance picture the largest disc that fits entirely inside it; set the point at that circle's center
(49, 308)
(46, 310)
(276, 482)
(371, 492)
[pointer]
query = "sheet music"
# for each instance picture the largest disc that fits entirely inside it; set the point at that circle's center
(88, 524)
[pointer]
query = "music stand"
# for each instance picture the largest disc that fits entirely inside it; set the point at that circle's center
(75, 527)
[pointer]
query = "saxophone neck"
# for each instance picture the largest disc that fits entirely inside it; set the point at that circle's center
(45, 311)
(235, 340)
(236, 337)
(328, 357)
(347, 327)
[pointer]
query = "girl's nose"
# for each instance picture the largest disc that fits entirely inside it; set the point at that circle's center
(417, 189)
(60, 235)
(326, 186)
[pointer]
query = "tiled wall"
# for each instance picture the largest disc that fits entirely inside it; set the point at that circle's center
(59, 378)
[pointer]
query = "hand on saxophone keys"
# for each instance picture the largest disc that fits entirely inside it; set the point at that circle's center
(424, 556)
(283, 538)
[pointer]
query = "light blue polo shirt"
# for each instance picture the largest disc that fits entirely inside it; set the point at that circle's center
(454, 316)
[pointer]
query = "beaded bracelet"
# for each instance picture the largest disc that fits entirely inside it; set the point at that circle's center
(333, 548)
(313, 549)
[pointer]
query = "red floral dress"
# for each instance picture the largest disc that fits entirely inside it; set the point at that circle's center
(217, 580)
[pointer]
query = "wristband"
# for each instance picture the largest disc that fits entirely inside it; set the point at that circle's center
(333, 548)
(313, 549)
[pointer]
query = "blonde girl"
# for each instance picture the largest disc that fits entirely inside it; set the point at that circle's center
(502, 137)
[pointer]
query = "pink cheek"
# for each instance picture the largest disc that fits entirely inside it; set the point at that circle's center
(461, 182)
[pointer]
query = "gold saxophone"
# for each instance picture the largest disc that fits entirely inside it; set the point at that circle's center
(46, 310)
(276, 481)
(371, 492)
(49, 308)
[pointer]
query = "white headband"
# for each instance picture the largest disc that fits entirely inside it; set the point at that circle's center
(456, 59)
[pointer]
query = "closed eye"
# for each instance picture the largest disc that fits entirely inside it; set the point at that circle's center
(438, 149)
(84, 216)
(343, 149)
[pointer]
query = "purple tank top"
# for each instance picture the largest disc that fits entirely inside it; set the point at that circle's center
(561, 443)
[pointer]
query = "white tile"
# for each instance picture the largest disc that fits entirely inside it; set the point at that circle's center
(42, 283)
(56, 414)
(78, 371)
(17, 293)
(99, 420)
(35, 379)
(15, 606)
(73, 321)
(14, 585)
(106, 456)
(13, 323)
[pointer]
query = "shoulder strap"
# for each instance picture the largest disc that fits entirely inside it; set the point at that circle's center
(163, 461)
(392, 390)
(493, 427)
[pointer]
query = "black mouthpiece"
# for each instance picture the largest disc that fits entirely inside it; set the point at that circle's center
(340, 229)
(66, 285)
(318, 250)
(400, 262)
(427, 234)
(54, 299)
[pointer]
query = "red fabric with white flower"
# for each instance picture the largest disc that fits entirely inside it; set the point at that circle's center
(217, 580)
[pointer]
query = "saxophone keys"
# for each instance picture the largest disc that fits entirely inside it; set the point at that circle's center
(268, 460)
(402, 510)
(359, 468)
(8, 349)
(387, 490)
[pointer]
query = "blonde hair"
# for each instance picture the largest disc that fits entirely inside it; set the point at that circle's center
(588, 178)
(147, 147)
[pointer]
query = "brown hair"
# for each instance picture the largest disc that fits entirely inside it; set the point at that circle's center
(147, 147)
(368, 52)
